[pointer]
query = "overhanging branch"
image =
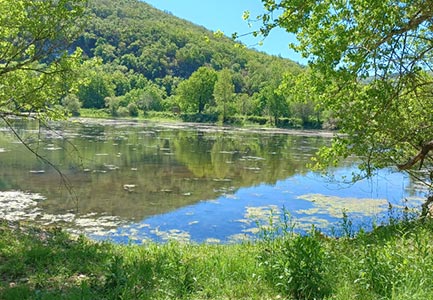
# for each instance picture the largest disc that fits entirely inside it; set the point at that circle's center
(425, 149)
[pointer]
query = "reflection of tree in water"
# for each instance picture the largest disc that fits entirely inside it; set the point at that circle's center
(420, 180)
(93, 131)
(193, 150)
(168, 168)
(248, 159)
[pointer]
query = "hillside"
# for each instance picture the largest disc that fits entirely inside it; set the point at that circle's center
(157, 44)
(154, 61)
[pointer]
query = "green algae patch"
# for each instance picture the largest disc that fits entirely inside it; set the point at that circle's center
(334, 205)
(305, 223)
(261, 213)
(173, 235)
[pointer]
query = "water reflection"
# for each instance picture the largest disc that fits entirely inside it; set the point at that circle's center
(133, 181)
(308, 198)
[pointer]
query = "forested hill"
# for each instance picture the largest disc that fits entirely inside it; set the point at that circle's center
(149, 58)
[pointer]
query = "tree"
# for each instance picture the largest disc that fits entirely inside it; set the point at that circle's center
(98, 86)
(275, 104)
(244, 104)
(36, 69)
(197, 91)
(147, 99)
(372, 67)
(301, 97)
(223, 93)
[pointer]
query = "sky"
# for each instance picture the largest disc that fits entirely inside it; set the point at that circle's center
(226, 15)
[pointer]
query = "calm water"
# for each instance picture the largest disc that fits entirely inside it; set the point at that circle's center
(135, 181)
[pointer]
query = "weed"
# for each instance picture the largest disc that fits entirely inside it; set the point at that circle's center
(295, 265)
(347, 226)
(116, 278)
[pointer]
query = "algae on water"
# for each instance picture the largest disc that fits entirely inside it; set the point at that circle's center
(334, 205)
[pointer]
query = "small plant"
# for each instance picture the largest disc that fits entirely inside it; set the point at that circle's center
(116, 278)
(347, 226)
(382, 269)
(276, 226)
(296, 265)
(133, 109)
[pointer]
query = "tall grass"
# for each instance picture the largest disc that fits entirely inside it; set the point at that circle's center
(392, 262)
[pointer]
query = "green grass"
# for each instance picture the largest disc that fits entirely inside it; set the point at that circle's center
(392, 262)
(94, 113)
(152, 115)
(165, 116)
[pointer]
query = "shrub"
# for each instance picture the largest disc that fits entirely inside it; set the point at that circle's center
(112, 103)
(133, 109)
(122, 112)
(297, 266)
(72, 104)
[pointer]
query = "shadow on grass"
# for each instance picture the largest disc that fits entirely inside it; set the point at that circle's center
(40, 263)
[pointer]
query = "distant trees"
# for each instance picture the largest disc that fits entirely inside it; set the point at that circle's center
(179, 60)
(170, 65)
(302, 99)
(95, 89)
(72, 104)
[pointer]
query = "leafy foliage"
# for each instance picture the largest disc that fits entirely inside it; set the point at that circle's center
(223, 93)
(36, 69)
(197, 92)
(372, 67)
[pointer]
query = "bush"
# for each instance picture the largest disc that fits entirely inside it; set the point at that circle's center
(297, 266)
(72, 104)
(133, 109)
(112, 103)
(122, 112)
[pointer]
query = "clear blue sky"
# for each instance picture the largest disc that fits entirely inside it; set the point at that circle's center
(226, 15)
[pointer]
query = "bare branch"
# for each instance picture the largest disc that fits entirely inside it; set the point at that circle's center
(64, 179)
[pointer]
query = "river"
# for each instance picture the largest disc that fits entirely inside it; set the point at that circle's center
(138, 181)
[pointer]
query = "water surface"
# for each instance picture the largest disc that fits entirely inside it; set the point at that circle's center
(131, 181)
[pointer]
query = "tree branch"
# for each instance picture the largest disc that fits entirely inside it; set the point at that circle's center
(425, 149)
(64, 179)
(414, 22)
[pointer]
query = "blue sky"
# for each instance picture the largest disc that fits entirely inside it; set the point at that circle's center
(226, 15)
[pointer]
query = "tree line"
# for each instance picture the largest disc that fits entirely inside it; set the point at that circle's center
(143, 60)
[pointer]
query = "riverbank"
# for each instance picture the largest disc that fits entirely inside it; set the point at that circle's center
(392, 262)
(254, 124)
(204, 127)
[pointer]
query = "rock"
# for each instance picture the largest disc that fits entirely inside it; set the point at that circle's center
(129, 187)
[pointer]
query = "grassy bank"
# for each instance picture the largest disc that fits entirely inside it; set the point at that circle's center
(255, 121)
(393, 262)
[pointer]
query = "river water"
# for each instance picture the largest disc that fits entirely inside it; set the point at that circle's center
(133, 182)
